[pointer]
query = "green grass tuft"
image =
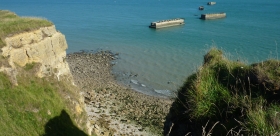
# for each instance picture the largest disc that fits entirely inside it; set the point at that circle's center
(263, 119)
(29, 66)
(207, 94)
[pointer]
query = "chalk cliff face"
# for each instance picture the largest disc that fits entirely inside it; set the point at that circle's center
(46, 46)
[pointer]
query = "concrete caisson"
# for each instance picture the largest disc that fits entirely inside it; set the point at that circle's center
(167, 23)
(213, 16)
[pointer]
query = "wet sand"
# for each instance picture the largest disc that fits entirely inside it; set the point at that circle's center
(112, 108)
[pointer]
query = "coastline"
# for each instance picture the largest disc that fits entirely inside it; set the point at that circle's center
(112, 108)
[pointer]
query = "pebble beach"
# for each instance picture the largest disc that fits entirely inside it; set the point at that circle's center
(112, 108)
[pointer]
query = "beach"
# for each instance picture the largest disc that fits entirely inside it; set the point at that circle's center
(162, 59)
(112, 108)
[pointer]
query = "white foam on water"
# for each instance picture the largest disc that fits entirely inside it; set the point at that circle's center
(164, 92)
(134, 81)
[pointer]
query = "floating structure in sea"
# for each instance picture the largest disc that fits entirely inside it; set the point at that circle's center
(167, 23)
(211, 3)
(201, 8)
(213, 15)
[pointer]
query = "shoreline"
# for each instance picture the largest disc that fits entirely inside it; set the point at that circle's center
(113, 108)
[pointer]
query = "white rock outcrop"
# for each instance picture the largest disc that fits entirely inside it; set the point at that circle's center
(46, 46)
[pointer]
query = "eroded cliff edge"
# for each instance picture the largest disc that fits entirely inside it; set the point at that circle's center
(45, 46)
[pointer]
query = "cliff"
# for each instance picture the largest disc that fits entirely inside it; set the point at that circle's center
(45, 46)
(36, 85)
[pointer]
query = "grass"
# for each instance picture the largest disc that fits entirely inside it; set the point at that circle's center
(207, 94)
(11, 24)
(38, 107)
(262, 119)
(29, 66)
(230, 97)
(20, 105)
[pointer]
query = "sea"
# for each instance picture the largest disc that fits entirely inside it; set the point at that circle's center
(158, 61)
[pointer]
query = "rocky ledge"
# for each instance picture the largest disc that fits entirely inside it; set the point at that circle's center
(114, 109)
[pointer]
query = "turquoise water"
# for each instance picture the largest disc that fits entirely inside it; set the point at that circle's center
(158, 60)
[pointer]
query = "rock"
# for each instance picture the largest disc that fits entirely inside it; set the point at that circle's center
(35, 110)
(78, 109)
(97, 131)
(92, 122)
(123, 120)
(49, 112)
(106, 134)
(98, 106)
(96, 126)
(37, 46)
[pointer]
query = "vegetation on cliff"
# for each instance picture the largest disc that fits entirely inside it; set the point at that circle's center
(11, 24)
(39, 106)
(228, 98)
(35, 106)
